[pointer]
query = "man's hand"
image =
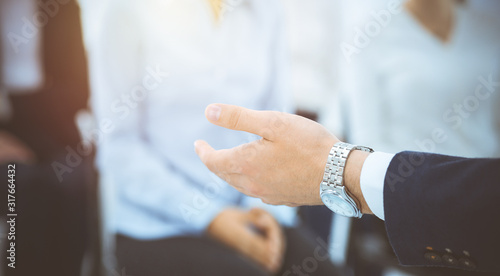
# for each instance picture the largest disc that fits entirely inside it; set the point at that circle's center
(233, 227)
(286, 166)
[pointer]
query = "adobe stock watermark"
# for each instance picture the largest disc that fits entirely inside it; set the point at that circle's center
(310, 264)
(454, 116)
(31, 26)
(462, 110)
(121, 109)
(363, 36)
(459, 112)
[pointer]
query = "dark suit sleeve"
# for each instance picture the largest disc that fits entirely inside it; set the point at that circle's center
(443, 210)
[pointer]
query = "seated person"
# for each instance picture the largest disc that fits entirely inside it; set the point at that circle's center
(160, 64)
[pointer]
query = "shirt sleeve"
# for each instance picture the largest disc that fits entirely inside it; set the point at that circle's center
(372, 181)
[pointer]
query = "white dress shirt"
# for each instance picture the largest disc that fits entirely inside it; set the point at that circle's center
(403, 88)
(163, 188)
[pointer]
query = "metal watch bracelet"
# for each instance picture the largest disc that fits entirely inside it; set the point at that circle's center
(335, 165)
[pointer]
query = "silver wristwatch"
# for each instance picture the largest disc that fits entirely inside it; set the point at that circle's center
(332, 190)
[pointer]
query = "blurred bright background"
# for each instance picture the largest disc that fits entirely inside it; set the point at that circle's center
(100, 102)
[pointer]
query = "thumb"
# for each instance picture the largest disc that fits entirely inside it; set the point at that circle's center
(240, 118)
(218, 161)
(203, 149)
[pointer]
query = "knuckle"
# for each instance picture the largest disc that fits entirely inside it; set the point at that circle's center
(248, 152)
(279, 122)
(235, 119)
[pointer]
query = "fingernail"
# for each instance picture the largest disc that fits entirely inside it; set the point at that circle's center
(196, 143)
(197, 147)
(213, 112)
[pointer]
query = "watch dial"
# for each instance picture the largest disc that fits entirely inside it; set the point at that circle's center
(338, 205)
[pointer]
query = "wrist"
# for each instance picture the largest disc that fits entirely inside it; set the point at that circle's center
(353, 168)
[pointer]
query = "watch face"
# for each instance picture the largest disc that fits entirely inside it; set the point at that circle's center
(338, 205)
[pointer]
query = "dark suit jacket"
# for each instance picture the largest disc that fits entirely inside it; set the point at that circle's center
(444, 211)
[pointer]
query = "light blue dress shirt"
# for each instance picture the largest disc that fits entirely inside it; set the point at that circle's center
(162, 63)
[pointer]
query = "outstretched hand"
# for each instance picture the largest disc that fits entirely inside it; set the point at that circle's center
(284, 167)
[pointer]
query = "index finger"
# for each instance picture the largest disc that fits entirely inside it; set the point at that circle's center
(243, 119)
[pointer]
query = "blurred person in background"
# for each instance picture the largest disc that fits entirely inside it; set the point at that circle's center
(42, 86)
(431, 74)
(161, 63)
(426, 79)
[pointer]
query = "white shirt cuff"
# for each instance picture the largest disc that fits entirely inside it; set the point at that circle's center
(372, 181)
